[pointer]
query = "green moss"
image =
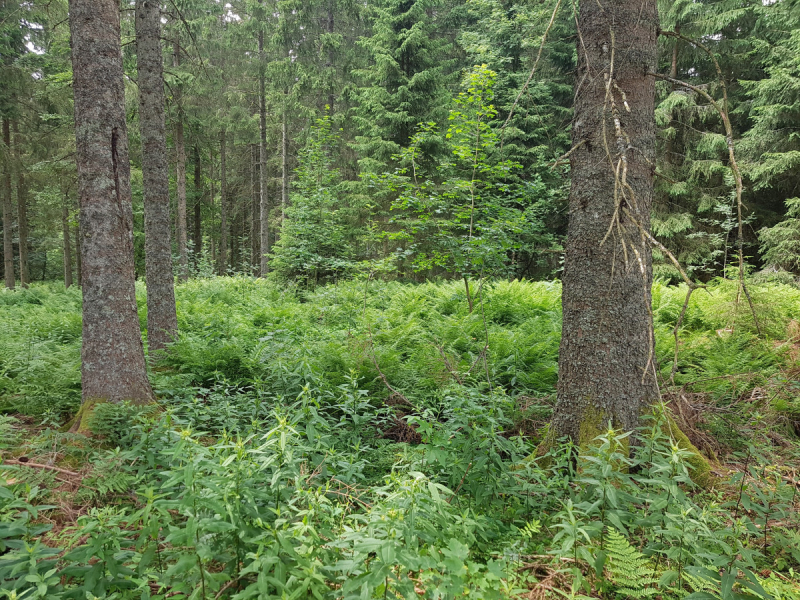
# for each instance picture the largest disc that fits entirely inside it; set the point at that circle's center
(80, 423)
(592, 426)
(700, 470)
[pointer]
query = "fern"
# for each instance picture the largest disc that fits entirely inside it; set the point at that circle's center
(700, 585)
(629, 570)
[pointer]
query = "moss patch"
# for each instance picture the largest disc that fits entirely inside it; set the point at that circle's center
(592, 427)
(80, 423)
(700, 468)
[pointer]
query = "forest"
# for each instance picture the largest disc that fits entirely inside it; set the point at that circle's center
(443, 299)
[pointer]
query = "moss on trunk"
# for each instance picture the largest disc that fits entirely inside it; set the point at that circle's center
(593, 426)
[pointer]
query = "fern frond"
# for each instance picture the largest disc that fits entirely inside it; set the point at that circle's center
(630, 571)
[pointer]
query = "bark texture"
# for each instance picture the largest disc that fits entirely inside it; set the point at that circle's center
(606, 370)
(162, 322)
(22, 211)
(223, 207)
(8, 214)
(112, 354)
(180, 174)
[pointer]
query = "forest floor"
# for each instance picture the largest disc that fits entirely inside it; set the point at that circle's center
(373, 440)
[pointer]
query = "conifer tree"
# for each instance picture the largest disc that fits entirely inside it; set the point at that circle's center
(162, 322)
(112, 354)
(606, 363)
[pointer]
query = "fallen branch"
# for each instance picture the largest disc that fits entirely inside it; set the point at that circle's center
(39, 466)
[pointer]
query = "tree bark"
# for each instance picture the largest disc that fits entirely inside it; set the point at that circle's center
(262, 167)
(255, 224)
(22, 211)
(78, 265)
(162, 321)
(180, 172)
(67, 245)
(331, 59)
(284, 161)
(197, 236)
(223, 207)
(112, 354)
(606, 363)
(8, 214)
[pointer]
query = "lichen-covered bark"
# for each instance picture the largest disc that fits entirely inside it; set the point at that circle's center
(162, 322)
(112, 355)
(605, 362)
(8, 214)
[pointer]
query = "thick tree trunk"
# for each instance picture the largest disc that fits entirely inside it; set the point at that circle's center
(180, 173)
(162, 322)
(8, 214)
(67, 245)
(223, 207)
(112, 354)
(606, 363)
(197, 236)
(262, 167)
(22, 211)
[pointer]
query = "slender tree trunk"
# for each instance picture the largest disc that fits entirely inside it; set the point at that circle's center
(606, 362)
(78, 265)
(264, 198)
(255, 224)
(284, 161)
(112, 353)
(212, 247)
(67, 245)
(198, 199)
(331, 58)
(223, 207)
(180, 173)
(162, 321)
(22, 210)
(8, 214)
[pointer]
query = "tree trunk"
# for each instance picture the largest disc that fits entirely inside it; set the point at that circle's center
(112, 354)
(180, 173)
(331, 59)
(162, 322)
(255, 224)
(284, 161)
(606, 362)
(78, 265)
(8, 214)
(223, 207)
(197, 237)
(264, 198)
(67, 245)
(22, 211)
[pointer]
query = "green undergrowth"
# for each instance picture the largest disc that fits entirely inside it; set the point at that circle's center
(368, 440)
